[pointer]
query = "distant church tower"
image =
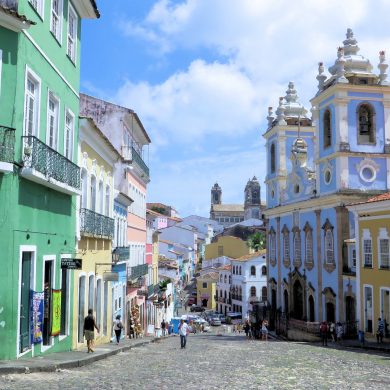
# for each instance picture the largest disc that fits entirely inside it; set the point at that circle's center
(216, 194)
(252, 199)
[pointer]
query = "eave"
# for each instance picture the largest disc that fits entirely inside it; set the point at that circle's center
(87, 9)
(13, 21)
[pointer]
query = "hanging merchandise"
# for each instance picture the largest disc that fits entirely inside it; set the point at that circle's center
(136, 320)
(56, 322)
(36, 316)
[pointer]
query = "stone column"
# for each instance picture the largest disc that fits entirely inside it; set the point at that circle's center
(319, 263)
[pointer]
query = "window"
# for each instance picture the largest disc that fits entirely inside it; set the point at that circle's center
(286, 244)
(38, 6)
(272, 245)
(264, 294)
(204, 285)
(273, 158)
(220, 278)
(253, 291)
(366, 124)
(99, 303)
(108, 201)
(297, 246)
(72, 33)
(31, 105)
(253, 270)
(329, 249)
(264, 270)
(91, 290)
(84, 187)
(52, 121)
(309, 246)
(367, 252)
(225, 279)
(353, 257)
(327, 129)
(93, 193)
(56, 19)
(101, 197)
(68, 135)
(384, 253)
(239, 272)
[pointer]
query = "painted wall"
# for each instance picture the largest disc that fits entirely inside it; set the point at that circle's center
(232, 247)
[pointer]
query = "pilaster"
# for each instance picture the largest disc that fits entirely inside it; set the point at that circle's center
(279, 286)
(319, 263)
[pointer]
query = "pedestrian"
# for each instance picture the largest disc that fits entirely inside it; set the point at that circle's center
(185, 306)
(131, 328)
(183, 332)
(163, 326)
(380, 331)
(247, 329)
(89, 329)
(339, 331)
(332, 331)
(118, 326)
(264, 330)
(324, 333)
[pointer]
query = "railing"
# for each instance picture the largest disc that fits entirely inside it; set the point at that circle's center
(49, 162)
(7, 144)
(237, 297)
(138, 159)
(152, 289)
(137, 271)
(96, 224)
(123, 252)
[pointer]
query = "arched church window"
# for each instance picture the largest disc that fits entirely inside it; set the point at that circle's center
(329, 246)
(297, 246)
(366, 124)
(327, 129)
(286, 244)
(273, 158)
(253, 270)
(272, 245)
(309, 246)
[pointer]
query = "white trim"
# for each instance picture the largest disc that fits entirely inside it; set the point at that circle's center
(382, 235)
(51, 63)
(46, 258)
(59, 15)
(75, 48)
(33, 249)
(30, 73)
(56, 100)
(68, 111)
(364, 308)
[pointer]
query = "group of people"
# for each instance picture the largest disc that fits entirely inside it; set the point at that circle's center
(331, 330)
(258, 330)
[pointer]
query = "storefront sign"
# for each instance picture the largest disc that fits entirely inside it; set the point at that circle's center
(56, 321)
(71, 263)
(36, 316)
(110, 276)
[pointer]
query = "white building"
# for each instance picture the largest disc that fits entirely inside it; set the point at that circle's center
(249, 282)
(224, 300)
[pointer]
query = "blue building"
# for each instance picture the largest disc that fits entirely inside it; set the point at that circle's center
(315, 167)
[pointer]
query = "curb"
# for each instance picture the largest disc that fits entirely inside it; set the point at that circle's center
(53, 367)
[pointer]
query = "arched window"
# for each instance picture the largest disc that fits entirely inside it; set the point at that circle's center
(366, 124)
(272, 245)
(286, 245)
(101, 197)
(264, 294)
(225, 279)
(220, 278)
(273, 158)
(329, 249)
(253, 270)
(327, 128)
(91, 292)
(220, 293)
(264, 270)
(297, 246)
(225, 294)
(253, 291)
(240, 292)
(309, 246)
(84, 189)
(240, 273)
(108, 201)
(234, 269)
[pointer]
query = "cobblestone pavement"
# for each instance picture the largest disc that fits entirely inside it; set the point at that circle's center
(218, 362)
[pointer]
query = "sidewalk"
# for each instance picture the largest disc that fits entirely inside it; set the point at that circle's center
(71, 359)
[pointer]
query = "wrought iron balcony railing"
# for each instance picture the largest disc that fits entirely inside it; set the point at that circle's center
(137, 271)
(131, 154)
(123, 252)
(7, 144)
(50, 163)
(96, 224)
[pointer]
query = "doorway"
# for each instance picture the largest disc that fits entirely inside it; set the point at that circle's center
(25, 287)
(286, 310)
(350, 309)
(81, 312)
(311, 309)
(330, 312)
(47, 301)
(298, 300)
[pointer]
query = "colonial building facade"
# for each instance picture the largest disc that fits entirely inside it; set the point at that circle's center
(315, 166)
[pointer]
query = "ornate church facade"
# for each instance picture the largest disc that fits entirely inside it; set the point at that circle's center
(316, 165)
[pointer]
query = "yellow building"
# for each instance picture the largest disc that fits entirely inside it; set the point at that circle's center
(372, 221)
(227, 246)
(92, 286)
(207, 289)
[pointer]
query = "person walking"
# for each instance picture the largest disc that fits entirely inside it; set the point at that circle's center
(118, 326)
(332, 331)
(339, 331)
(247, 329)
(324, 333)
(89, 329)
(264, 330)
(163, 327)
(380, 331)
(183, 332)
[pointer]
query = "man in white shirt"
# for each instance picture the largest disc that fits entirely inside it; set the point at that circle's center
(184, 329)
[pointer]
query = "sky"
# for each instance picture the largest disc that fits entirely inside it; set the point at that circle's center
(201, 75)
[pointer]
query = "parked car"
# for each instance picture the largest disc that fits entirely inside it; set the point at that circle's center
(195, 308)
(215, 321)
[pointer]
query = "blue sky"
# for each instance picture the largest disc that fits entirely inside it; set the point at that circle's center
(202, 73)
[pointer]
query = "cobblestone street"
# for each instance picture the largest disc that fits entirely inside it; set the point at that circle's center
(216, 362)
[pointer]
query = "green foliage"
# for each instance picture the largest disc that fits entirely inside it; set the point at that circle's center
(164, 284)
(160, 210)
(257, 241)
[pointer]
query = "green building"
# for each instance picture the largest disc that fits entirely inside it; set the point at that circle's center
(39, 176)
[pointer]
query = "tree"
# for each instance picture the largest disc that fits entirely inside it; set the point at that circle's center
(257, 241)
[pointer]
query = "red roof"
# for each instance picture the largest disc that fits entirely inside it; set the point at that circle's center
(377, 198)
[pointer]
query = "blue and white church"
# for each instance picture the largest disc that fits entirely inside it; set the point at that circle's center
(317, 164)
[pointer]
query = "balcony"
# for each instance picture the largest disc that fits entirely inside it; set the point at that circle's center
(7, 147)
(96, 224)
(131, 155)
(45, 166)
(137, 271)
(152, 289)
(123, 252)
